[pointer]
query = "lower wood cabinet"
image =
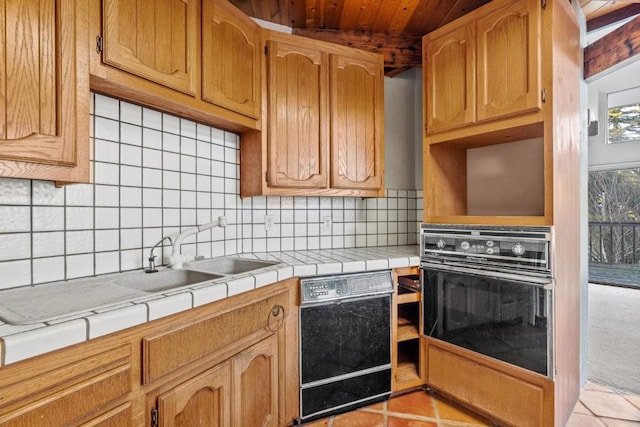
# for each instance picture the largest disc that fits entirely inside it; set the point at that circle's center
(202, 400)
(241, 391)
(254, 386)
(504, 392)
(231, 363)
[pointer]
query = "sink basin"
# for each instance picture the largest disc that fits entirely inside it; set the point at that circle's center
(230, 265)
(164, 280)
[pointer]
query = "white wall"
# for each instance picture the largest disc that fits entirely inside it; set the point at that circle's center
(601, 154)
(400, 139)
(584, 229)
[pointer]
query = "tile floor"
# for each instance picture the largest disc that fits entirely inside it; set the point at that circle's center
(597, 407)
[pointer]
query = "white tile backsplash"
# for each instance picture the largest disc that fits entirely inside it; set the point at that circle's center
(155, 173)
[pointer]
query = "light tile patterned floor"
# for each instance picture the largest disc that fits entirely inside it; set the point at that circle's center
(598, 407)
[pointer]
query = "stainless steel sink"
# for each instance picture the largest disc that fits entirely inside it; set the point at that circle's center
(164, 280)
(229, 265)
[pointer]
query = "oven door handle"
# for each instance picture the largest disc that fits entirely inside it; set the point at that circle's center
(547, 283)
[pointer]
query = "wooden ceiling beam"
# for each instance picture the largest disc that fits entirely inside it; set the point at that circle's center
(612, 49)
(399, 51)
(612, 17)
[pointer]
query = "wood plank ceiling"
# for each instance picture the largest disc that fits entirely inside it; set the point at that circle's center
(394, 27)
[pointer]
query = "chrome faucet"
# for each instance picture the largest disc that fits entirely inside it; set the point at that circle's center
(152, 258)
(177, 259)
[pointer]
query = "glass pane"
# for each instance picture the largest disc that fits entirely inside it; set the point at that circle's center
(623, 119)
(624, 123)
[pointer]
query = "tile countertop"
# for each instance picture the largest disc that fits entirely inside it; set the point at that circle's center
(18, 342)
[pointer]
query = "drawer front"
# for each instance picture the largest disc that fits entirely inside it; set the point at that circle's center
(65, 395)
(503, 396)
(167, 351)
(118, 417)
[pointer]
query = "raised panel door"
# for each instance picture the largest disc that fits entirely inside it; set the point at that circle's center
(44, 90)
(356, 122)
(255, 385)
(203, 400)
(297, 116)
(231, 58)
(450, 79)
(153, 39)
(509, 60)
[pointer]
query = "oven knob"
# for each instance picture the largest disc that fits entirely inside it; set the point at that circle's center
(489, 243)
(441, 244)
(518, 249)
(464, 245)
(489, 251)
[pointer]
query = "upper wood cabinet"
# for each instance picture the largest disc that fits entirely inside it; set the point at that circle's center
(297, 115)
(509, 60)
(200, 60)
(231, 55)
(324, 122)
(44, 90)
(156, 40)
(450, 89)
(356, 122)
(484, 66)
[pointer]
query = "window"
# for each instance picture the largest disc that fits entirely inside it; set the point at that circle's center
(623, 118)
(614, 227)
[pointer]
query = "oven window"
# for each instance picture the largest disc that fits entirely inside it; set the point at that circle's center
(344, 337)
(502, 319)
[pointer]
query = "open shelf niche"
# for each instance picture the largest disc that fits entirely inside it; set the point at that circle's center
(500, 177)
(407, 351)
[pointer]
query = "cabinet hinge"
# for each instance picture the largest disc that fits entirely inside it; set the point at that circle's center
(154, 417)
(266, 50)
(99, 43)
(543, 95)
(543, 3)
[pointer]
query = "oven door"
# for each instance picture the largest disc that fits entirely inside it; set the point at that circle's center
(502, 315)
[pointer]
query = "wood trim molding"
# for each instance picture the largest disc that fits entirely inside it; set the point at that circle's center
(612, 49)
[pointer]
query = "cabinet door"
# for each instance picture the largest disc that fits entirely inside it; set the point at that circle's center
(450, 80)
(356, 122)
(255, 385)
(509, 60)
(201, 401)
(153, 39)
(44, 90)
(231, 57)
(297, 116)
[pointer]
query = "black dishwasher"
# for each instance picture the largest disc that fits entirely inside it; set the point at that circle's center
(345, 342)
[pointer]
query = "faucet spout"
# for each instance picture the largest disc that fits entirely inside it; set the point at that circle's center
(152, 258)
(177, 259)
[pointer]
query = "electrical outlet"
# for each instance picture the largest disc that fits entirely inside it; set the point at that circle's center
(269, 220)
(326, 223)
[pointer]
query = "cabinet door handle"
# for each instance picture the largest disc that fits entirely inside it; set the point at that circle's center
(275, 318)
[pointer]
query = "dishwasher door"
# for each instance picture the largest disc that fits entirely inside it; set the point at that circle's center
(345, 354)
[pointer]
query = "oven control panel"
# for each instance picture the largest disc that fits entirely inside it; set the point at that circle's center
(503, 246)
(326, 288)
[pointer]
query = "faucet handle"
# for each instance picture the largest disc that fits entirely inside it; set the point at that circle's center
(152, 265)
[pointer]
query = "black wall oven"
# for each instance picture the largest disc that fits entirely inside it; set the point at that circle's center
(490, 290)
(345, 342)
